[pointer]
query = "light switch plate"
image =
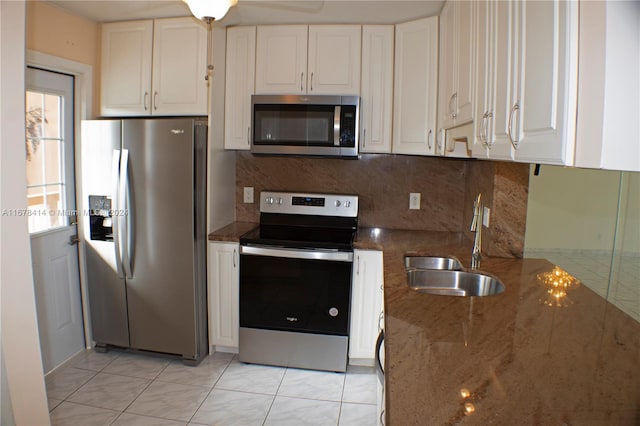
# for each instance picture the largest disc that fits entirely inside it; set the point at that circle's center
(248, 194)
(414, 201)
(486, 212)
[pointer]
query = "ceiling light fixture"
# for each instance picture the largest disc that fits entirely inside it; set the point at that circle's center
(209, 11)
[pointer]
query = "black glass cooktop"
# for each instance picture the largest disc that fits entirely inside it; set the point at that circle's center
(308, 232)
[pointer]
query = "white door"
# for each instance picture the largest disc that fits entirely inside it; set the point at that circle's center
(51, 204)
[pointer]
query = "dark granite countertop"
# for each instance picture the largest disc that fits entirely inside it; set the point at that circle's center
(519, 360)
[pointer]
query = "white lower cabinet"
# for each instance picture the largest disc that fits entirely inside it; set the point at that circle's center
(224, 289)
(366, 306)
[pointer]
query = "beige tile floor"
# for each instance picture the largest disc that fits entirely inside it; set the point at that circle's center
(120, 388)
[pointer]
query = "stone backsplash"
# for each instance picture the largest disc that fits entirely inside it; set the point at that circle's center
(383, 183)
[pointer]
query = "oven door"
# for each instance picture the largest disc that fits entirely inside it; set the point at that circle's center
(295, 290)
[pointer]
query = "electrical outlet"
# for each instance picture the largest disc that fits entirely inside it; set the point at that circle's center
(414, 201)
(248, 194)
(486, 212)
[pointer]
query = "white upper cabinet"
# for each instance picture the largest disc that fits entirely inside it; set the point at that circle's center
(316, 59)
(127, 49)
(376, 95)
(609, 87)
(179, 67)
(334, 59)
(415, 88)
(281, 59)
(239, 86)
(526, 81)
(154, 68)
(456, 63)
(543, 119)
(484, 82)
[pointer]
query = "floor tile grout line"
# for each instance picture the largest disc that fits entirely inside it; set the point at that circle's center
(273, 400)
(210, 390)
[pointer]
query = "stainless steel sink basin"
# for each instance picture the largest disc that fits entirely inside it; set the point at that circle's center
(453, 283)
(432, 262)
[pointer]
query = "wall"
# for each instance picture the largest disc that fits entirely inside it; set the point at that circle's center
(19, 332)
(572, 209)
(383, 183)
(55, 32)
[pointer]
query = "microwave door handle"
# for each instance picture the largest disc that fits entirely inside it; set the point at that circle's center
(336, 126)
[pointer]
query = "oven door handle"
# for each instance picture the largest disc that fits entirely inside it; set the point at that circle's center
(315, 254)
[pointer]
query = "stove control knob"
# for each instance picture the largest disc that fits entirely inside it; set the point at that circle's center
(279, 201)
(347, 204)
(337, 203)
(269, 200)
(333, 312)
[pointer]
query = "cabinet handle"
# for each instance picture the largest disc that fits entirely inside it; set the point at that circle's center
(249, 135)
(514, 142)
(364, 137)
(381, 321)
(440, 139)
(486, 130)
(146, 96)
(155, 101)
(235, 254)
(312, 82)
(453, 110)
(358, 266)
(429, 144)
(301, 78)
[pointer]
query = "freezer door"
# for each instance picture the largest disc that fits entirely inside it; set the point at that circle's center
(100, 147)
(163, 289)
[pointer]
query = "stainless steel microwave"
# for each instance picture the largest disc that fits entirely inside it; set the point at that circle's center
(315, 125)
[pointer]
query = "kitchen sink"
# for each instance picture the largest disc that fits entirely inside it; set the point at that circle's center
(432, 262)
(453, 283)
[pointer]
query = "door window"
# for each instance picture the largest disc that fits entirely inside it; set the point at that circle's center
(46, 137)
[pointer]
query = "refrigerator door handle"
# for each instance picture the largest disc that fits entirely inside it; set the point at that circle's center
(124, 213)
(117, 232)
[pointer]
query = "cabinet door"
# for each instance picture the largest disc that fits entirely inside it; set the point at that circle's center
(224, 308)
(179, 67)
(376, 97)
(281, 59)
(240, 76)
(464, 60)
(446, 107)
(544, 126)
(483, 83)
(366, 306)
(126, 68)
(334, 60)
(504, 78)
(415, 89)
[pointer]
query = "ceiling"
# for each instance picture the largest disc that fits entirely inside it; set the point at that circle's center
(256, 12)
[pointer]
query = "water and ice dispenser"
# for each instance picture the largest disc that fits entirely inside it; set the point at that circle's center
(100, 218)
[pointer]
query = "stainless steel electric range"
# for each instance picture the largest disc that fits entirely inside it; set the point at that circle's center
(295, 281)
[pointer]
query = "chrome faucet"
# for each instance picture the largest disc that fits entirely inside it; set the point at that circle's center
(476, 226)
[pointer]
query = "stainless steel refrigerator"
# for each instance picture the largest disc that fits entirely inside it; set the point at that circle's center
(143, 195)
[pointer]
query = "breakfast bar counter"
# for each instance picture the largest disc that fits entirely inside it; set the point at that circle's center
(525, 356)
